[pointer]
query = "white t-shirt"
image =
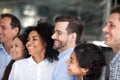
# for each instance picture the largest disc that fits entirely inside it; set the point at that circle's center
(28, 69)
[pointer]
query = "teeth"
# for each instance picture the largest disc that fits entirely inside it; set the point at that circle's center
(30, 47)
(13, 52)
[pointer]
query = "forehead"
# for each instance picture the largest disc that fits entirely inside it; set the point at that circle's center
(17, 40)
(61, 25)
(114, 17)
(5, 20)
(33, 33)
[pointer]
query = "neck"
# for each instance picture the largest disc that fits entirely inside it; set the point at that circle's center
(39, 57)
(115, 49)
(80, 78)
(65, 48)
(7, 47)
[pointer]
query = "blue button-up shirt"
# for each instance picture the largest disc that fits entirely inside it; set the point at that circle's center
(61, 70)
(115, 67)
(5, 58)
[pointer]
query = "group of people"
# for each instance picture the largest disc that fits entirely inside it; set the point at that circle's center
(38, 53)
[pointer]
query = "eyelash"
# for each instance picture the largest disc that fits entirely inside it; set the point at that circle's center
(34, 39)
(58, 32)
(71, 61)
(14, 45)
(111, 25)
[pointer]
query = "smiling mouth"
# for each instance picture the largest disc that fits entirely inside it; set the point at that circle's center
(29, 48)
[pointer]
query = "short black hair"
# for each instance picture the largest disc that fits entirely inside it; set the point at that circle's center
(116, 9)
(15, 23)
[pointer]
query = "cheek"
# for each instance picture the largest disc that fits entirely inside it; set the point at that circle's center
(74, 68)
(20, 49)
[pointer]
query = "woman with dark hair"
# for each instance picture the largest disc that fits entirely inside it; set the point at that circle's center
(86, 62)
(43, 57)
(18, 51)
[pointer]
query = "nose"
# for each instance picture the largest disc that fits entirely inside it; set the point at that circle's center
(12, 49)
(53, 36)
(28, 43)
(105, 29)
(67, 62)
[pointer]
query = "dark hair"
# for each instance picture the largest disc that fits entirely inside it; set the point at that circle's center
(15, 23)
(25, 52)
(116, 9)
(44, 30)
(75, 25)
(91, 57)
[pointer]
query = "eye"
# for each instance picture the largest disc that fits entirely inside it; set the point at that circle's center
(3, 28)
(58, 32)
(11, 46)
(71, 61)
(112, 26)
(16, 45)
(35, 38)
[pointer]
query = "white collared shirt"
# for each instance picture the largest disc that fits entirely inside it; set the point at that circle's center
(28, 69)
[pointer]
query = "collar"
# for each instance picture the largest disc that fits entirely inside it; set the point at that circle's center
(66, 52)
(32, 62)
(1, 46)
(3, 49)
(115, 58)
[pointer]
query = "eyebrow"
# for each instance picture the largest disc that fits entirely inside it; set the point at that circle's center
(35, 37)
(111, 22)
(57, 31)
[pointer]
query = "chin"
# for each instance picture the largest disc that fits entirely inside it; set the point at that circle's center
(70, 73)
(107, 43)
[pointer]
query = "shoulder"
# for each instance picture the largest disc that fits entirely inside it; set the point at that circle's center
(22, 62)
(46, 62)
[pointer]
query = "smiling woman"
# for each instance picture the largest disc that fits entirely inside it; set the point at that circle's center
(18, 51)
(86, 62)
(43, 57)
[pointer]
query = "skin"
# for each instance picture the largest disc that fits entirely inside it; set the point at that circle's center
(17, 49)
(74, 68)
(112, 31)
(36, 46)
(7, 33)
(63, 40)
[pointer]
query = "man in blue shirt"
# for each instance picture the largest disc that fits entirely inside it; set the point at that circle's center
(112, 39)
(9, 27)
(68, 31)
